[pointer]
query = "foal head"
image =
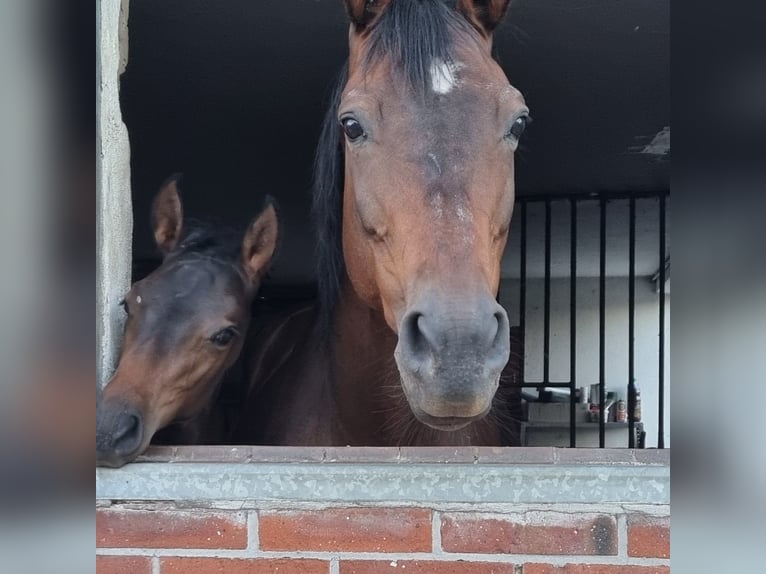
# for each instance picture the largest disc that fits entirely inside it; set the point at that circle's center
(185, 326)
(426, 125)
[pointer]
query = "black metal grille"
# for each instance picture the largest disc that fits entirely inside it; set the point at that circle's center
(604, 202)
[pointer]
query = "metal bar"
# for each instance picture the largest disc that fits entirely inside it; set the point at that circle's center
(542, 385)
(523, 285)
(661, 373)
(631, 324)
(572, 320)
(602, 327)
(547, 297)
(611, 195)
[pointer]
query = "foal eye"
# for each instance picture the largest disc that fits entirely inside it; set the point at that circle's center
(518, 127)
(223, 337)
(352, 128)
(124, 305)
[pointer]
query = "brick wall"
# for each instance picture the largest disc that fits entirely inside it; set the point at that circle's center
(367, 540)
(440, 537)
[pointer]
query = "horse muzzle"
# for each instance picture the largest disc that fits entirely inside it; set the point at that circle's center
(119, 434)
(450, 355)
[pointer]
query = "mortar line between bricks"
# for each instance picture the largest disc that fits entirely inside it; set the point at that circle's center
(436, 532)
(501, 508)
(515, 513)
(253, 531)
(622, 536)
(155, 565)
(554, 560)
(335, 565)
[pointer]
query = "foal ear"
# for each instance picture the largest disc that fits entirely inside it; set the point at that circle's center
(362, 13)
(485, 15)
(167, 215)
(260, 242)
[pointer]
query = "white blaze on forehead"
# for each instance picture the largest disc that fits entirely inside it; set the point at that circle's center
(444, 75)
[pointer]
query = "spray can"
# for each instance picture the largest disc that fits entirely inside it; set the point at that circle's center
(621, 411)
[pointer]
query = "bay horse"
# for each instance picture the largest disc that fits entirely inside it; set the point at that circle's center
(186, 322)
(413, 196)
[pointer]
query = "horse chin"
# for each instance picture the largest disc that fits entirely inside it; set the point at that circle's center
(116, 459)
(111, 461)
(445, 424)
(438, 414)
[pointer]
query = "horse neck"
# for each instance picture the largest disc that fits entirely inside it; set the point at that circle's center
(365, 378)
(206, 427)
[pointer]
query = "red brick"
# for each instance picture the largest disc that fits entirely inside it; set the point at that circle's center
(594, 569)
(423, 567)
(123, 565)
(648, 536)
(348, 530)
(242, 566)
(536, 533)
(170, 529)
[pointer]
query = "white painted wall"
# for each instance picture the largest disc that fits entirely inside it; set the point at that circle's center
(114, 215)
(646, 338)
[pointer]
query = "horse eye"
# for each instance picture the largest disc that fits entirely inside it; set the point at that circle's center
(352, 128)
(124, 305)
(223, 337)
(518, 127)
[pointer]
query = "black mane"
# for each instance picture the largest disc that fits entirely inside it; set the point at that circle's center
(327, 206)
(412, 34)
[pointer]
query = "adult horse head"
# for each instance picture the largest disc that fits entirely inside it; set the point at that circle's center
(185, 326)
(415, 191)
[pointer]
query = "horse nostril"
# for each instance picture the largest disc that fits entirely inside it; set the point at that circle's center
(501, 326)
(502, 336)
(414, 334)
(417, 342)
(127, 434)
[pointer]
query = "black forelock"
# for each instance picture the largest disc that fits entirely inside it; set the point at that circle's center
(209, 240)
(415, 33)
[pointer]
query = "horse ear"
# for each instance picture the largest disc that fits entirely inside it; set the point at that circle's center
(363, 12)
(167, 215)
(260, 242)
(485, 15)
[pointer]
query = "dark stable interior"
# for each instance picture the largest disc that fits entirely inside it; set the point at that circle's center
(232, 95)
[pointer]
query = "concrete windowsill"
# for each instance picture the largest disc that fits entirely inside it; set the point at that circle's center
(213, 475)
